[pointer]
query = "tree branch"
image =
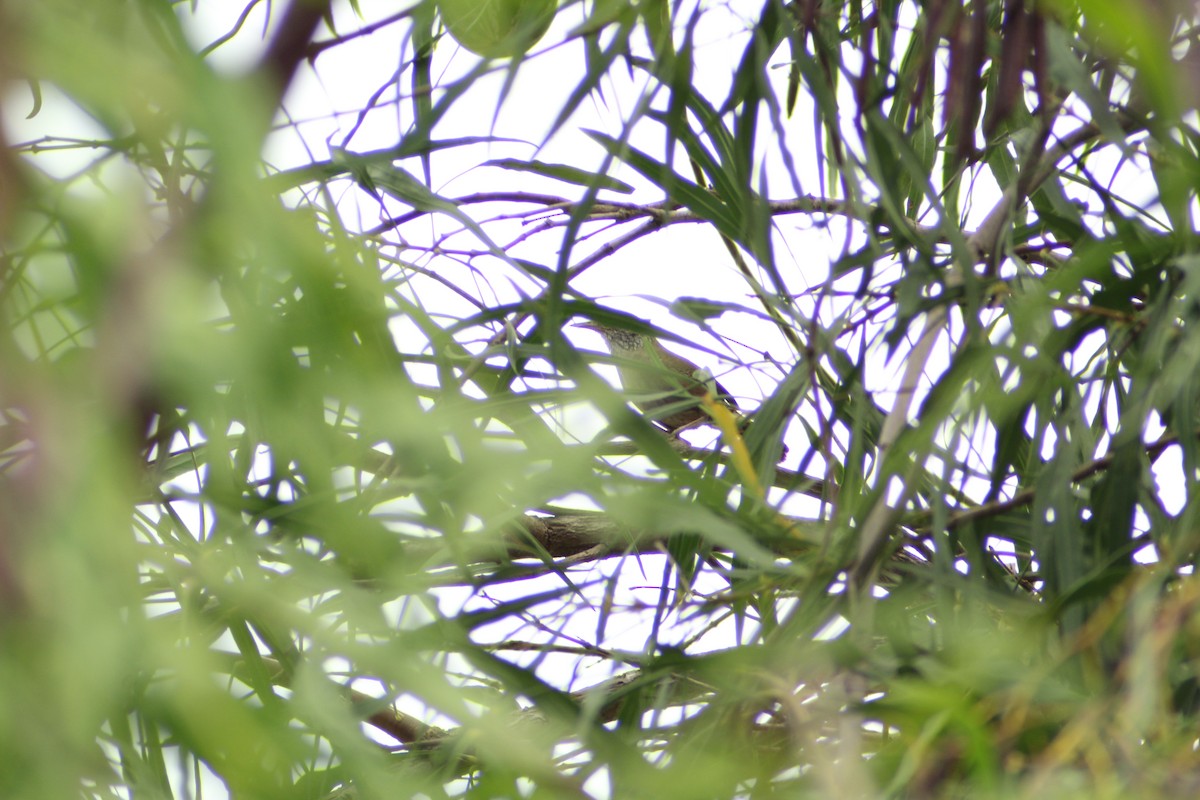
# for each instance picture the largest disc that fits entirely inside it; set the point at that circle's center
(290, 45)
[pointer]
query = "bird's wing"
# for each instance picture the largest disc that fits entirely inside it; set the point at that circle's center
(705, 378)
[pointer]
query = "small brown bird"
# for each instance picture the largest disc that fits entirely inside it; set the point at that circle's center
(664, 386)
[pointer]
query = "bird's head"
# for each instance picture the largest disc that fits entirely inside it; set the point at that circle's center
(616, 338)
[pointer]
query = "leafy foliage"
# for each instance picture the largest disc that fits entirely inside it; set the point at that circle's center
(308, 490)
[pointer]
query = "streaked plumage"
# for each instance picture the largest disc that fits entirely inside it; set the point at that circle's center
(664, 386)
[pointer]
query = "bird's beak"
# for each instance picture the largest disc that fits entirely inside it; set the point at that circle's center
(589, 325)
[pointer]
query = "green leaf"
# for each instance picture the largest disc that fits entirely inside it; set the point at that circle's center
(563, 172)
(497, 28)
(699, 201)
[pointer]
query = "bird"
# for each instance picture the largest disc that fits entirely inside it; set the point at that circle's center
(664, 386)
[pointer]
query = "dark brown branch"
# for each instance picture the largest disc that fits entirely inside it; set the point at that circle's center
(1026, 496)
(417, 735)
(661, 213)
(984, 239)
(290, 45)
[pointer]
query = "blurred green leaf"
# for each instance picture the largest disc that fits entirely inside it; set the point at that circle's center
(308, 487)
